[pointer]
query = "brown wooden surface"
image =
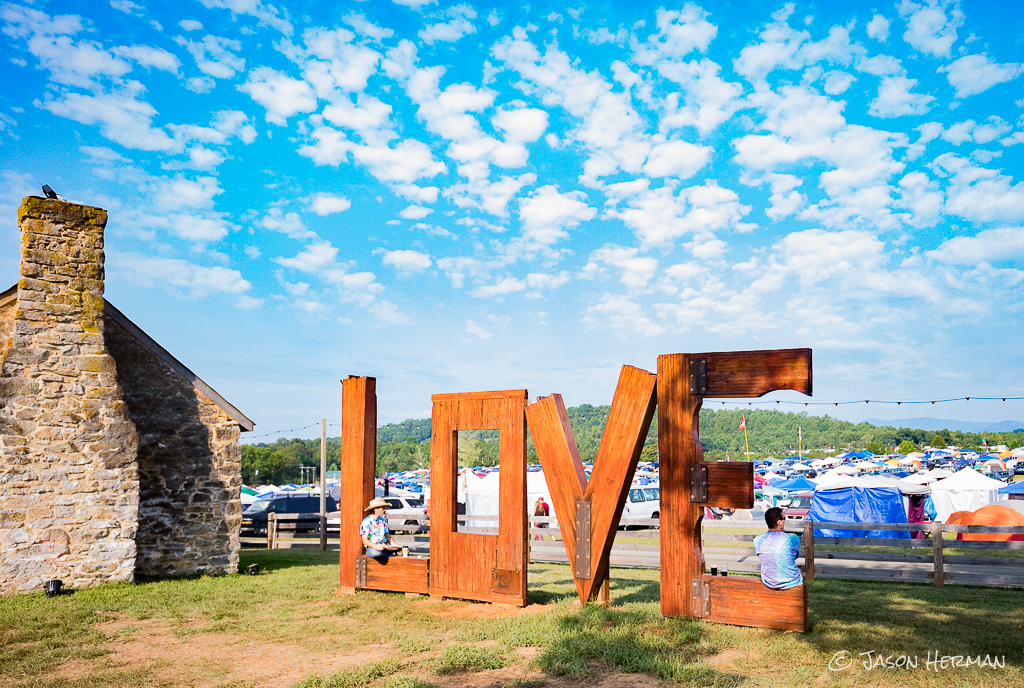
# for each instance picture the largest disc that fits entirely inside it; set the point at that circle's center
(809, 551)
(358, 465)
(678, 449)
(560, 460)
(743, 601)
(464, 565)
(623, 439)
(397, 574)
(937, 555)
(730, 484)
(729, 374)
(755, 373)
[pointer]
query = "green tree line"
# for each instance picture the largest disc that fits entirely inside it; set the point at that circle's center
(406, 445)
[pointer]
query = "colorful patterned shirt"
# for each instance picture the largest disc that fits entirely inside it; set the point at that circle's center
(376, 527)
(778, 551)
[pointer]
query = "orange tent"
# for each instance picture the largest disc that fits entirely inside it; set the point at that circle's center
(991, 515)
(958, 517)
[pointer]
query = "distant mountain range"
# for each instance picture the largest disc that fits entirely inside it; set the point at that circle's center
(940, 424)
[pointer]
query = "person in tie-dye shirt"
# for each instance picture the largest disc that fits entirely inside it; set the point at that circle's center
(778, 551)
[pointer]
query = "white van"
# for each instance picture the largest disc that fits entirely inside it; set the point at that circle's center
(643, 502)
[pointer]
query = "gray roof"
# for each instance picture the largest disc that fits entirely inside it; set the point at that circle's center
(163, 354)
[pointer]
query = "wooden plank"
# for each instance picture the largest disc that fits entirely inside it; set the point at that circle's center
(748, 602)
(912, 527)
(958, 528)
(397, 574)
(871, 542)
(755, 373)
(625, 432)
(480, 396)
(559, 456)
(721, 537)
(809, 551)
(358, 463)
(937, 542)
(983, 544)
(986, 579)
(678, 449)
(730, 484)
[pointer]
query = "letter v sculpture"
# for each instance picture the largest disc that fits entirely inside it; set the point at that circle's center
(588, 512)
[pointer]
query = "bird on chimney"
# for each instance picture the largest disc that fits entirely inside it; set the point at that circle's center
(50, 193)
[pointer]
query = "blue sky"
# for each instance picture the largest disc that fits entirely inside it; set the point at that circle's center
(458, 197)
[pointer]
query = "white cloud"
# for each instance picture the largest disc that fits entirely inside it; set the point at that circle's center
(676, 158)
(837, 82)
(385, 311)
(194, 280)
(621, 313)
(407, 261)
(980, 194)
(505, 285)
(180, 193)
(148, 56)
(127, 6)
(190, 25)
(878, 28)
(929, 29)
(635, 270)
(200, 84)
(213, 55)
(679, 33)
(895, 99)
(290, 224)
(313, 258)
(547, 213)
(326, 204)
(415, 212)
(365, 27)
(987, 246)
(267, 14)
(973, 74)
(282, 95)
(121, 116)
(415, 4)
(474, 329)
(453, 30)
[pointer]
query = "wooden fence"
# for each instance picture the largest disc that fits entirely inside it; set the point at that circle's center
(728, 545)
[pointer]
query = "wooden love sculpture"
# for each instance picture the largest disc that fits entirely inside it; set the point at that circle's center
(494, 568)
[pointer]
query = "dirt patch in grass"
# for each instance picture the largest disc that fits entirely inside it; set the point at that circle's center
(214, 659)
(479, 610)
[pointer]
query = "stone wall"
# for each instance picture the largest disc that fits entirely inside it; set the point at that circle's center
(189, 466)
(69, 484)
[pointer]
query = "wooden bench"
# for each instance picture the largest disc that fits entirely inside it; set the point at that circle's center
(743, 601)
(395, 574)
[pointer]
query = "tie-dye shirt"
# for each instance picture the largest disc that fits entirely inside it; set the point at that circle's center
(376, 527)
(778, 551)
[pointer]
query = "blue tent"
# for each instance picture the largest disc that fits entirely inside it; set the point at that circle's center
(797, 484)
(859, 505)
(1013, 488)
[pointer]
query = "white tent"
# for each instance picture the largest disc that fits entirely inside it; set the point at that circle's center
(482, 495)
(965, 490)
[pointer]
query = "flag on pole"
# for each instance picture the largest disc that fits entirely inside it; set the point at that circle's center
(743, 423)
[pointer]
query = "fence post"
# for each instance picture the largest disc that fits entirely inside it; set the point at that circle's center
(808, 550)
(270, 530)
(940, 574)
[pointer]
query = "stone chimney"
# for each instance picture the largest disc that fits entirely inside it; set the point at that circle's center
(69, 486)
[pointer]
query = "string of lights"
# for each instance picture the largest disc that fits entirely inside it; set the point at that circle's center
(780, 402)
(763, 402)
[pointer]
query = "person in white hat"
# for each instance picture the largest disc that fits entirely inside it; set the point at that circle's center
(375, 533)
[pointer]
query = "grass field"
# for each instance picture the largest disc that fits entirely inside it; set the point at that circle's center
(287, 628)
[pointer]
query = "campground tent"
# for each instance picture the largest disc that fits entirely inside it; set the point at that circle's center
(482, 495)
(992, 515)
(858, 505)
(965, 490)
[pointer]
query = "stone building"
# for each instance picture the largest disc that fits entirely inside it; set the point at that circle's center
(116, 461)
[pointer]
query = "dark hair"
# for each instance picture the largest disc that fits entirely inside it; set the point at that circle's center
(773, 517)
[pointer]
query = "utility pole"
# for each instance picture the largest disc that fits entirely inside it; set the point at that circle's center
(323, 485)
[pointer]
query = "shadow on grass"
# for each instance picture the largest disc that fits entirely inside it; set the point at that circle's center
(915, 619)
(278, 559)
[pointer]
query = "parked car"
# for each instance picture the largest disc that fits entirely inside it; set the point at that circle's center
(254, 518)
(796, 512)
(643, 502)
(403, 504)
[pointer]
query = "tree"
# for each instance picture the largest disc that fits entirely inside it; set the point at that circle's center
(938, 442)
(906, 447)
(875, 448)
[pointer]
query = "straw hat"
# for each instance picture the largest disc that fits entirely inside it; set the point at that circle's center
(376, 503)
